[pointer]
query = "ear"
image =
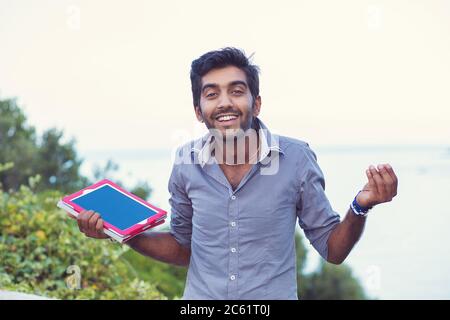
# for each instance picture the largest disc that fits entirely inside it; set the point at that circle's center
(198, 114)
(257, 106)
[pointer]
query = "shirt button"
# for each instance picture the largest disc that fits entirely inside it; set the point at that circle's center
(233, 250)
(233, 277)
(233, 224)
(233, 197)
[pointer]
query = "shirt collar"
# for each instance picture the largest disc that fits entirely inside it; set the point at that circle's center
(269, 145)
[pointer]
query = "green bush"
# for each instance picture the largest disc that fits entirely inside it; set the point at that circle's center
(168, 279)
(331, 282)
(39, 244)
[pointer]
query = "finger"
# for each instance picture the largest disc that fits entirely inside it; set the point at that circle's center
(99, 228)
(85, 220)
(393, 183)
(393, 176)
(390, 171)
(93, 222)
(79, 219)
(372, 182)
(387, 180)
(378, 180)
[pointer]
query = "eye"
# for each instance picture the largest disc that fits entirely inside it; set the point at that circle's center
(237, 92)
(210, 95)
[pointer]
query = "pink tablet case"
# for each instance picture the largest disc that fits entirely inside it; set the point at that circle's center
(131, 231)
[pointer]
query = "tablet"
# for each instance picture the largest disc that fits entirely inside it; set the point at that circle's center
(121, 211)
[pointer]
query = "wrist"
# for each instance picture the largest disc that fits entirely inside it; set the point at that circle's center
(363, 201)
(360, 209)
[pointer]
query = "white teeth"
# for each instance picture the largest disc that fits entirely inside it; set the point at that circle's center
(226, 118)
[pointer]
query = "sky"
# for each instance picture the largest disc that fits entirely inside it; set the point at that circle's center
(116, 74)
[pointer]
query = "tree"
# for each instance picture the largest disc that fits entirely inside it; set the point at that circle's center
(56, 162)
(330, 282)
(17, 145)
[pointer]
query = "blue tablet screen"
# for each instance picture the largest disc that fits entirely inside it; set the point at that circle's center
(115, 207)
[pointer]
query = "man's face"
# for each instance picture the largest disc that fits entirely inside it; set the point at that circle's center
(226, 103)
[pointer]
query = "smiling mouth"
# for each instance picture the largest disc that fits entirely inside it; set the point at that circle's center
(226, 117)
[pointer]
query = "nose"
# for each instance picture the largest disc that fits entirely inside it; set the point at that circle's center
(224, 101)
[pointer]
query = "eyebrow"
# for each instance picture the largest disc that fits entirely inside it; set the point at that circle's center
(231, 84)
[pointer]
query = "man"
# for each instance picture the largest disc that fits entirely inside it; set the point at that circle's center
(238, 192)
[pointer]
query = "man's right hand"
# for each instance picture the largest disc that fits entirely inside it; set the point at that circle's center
(91, 224)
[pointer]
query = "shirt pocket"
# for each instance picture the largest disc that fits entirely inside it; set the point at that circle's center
(268, 222)
(209, 220)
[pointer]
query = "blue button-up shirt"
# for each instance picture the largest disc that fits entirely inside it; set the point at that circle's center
(242, 241)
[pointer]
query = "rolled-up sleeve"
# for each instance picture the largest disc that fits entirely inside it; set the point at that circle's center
(315, 214)
(181, 209)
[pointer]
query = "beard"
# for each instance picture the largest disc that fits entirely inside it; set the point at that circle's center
(246, 122)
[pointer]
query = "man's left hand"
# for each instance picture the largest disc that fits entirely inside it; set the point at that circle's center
(381, 186)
